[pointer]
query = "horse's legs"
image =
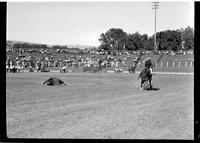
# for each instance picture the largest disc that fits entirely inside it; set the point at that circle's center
(142, 81)
(145, 83)
(150, 84)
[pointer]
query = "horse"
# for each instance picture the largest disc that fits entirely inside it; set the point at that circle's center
(145, 77)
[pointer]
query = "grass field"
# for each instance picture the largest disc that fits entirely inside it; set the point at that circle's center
(100, 105)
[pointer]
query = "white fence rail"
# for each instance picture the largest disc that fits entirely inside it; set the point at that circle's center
(175, 64)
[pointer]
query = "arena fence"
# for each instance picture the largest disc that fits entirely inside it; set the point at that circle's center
(175, 64)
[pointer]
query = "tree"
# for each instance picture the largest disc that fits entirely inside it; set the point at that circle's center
(148, 45)
(162, 40)
(169, 40)
(131, 44)
(113, 39)
(117, 39)
(136, 41)
(104, 46)
(188, 37)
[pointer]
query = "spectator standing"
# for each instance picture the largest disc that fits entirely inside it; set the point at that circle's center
(17, 65)
(8, 64)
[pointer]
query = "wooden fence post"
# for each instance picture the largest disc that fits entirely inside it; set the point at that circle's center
(161, 64)
(179, 64)
(191, 64)
(167, 64)
(173, 64)
(185, 64)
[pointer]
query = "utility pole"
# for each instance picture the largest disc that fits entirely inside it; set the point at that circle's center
(183, 41)
(155, 6)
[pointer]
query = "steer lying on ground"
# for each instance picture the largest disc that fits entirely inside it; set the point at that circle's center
(54, 82)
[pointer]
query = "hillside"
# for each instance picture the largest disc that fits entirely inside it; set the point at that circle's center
(10, 42)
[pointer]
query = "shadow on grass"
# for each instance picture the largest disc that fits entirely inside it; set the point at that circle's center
(148, 88)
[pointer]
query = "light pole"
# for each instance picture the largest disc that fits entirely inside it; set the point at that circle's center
(155, 6)
(182, 39)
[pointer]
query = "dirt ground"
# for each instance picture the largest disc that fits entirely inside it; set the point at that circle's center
(99, 106)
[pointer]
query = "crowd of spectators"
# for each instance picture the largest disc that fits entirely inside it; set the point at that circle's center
(79, 59)
(40, 64)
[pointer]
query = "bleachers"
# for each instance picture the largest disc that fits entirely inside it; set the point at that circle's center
(166, 62)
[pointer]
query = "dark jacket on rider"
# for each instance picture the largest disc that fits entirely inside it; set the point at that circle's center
(148, 64)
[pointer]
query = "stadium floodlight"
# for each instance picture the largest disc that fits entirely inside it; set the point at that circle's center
(182, 39)
(155, 6)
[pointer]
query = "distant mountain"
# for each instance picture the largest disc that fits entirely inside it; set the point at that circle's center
(81, 46)
(20, 42)
(69, 46)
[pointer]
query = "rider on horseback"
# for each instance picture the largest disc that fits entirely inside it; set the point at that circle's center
(148, 64)
(146, 73)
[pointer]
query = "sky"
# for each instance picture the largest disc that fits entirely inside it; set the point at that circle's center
(81, 23)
